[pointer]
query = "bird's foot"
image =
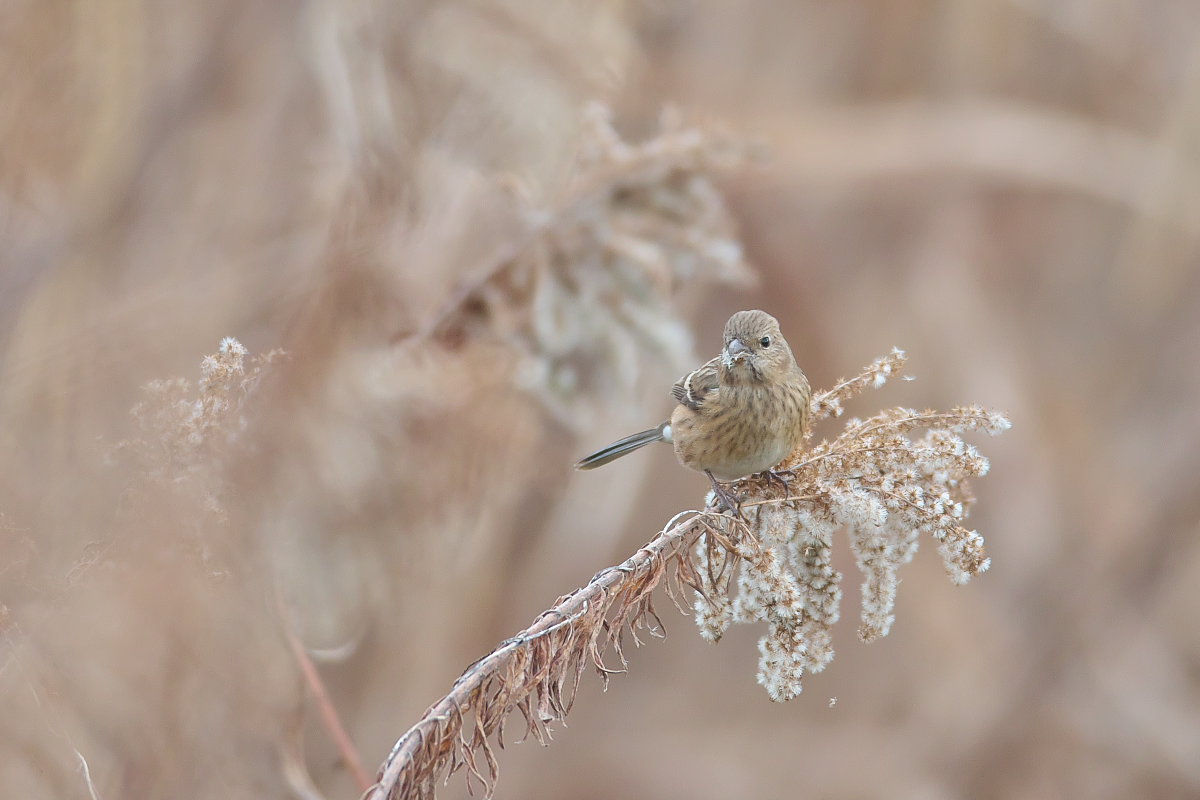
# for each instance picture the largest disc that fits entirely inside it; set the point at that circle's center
(782, 478)
(726, 500)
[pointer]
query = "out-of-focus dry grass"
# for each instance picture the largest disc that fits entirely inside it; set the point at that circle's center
(1004, 188)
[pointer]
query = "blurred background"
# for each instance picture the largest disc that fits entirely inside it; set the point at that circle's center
(477, 281)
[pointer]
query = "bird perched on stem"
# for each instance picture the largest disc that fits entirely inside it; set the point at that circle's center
(743, 412)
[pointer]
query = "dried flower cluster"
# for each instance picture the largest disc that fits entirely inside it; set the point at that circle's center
(185, 431)
(178, 430)
(772, 564)
(593, 282)
(877, 482)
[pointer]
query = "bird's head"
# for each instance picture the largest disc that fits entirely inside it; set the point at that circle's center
(754, 349)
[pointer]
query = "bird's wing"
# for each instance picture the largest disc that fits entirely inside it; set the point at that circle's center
(692, 390)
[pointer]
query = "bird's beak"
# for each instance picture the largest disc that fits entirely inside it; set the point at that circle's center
(736, 349)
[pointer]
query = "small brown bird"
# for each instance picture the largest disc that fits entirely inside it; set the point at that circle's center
(741, 413)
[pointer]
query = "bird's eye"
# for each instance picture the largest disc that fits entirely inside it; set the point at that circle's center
(765, 341)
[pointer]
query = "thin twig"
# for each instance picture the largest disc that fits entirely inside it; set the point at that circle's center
(924, 417)
(328, 712)
(87, 775)
(774, 501)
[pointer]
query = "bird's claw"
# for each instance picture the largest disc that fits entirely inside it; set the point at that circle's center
(726, 500)
(781, 477)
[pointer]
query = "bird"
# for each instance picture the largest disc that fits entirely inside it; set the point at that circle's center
(741, 413)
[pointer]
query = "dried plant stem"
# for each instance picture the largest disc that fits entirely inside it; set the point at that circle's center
(775, 501)
(529, 672)
(87, 776)
(329, 715)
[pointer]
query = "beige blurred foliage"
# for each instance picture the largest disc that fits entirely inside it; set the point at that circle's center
(475, 284)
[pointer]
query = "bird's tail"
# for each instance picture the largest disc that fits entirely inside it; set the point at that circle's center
(623, 446)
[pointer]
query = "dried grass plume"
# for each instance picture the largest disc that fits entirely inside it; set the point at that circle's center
(877, 481)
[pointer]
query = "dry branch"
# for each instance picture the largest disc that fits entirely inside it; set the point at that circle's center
(537, 672)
